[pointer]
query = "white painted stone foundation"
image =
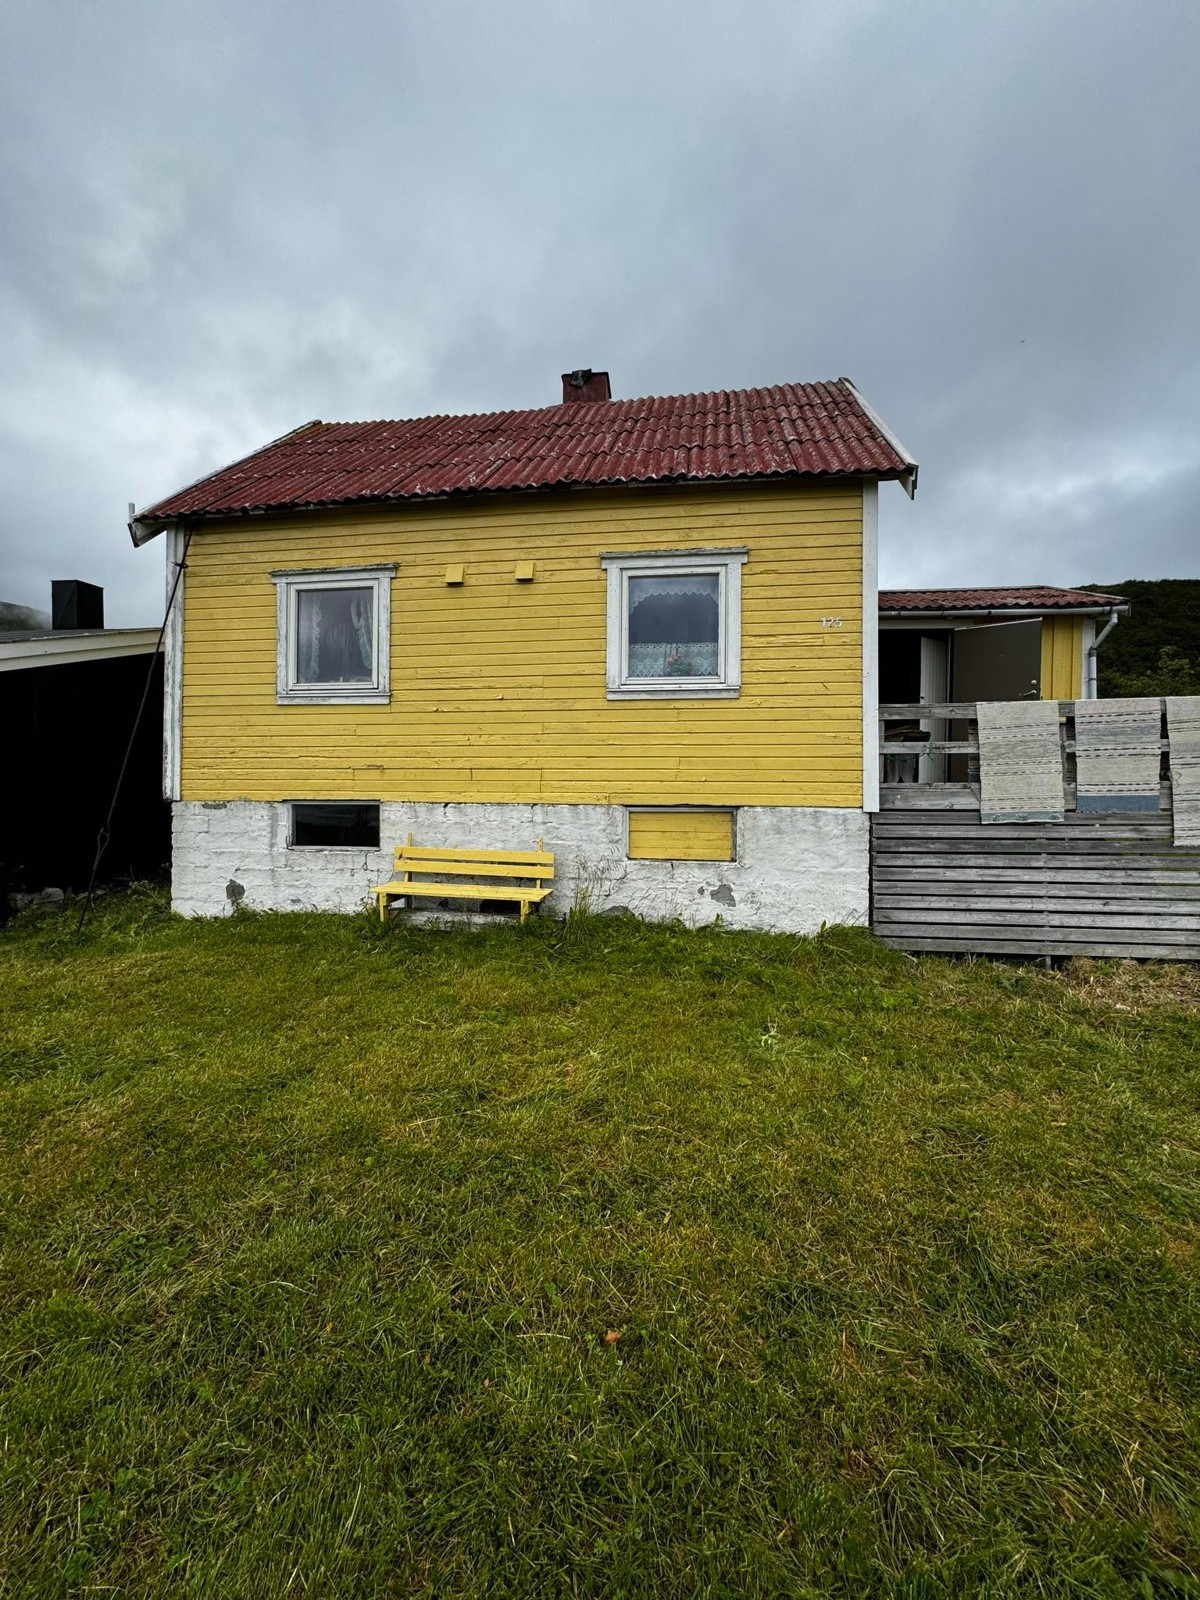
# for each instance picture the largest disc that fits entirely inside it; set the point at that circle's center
(797, 867)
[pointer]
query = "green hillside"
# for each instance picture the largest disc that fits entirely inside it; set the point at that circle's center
(1156, 648)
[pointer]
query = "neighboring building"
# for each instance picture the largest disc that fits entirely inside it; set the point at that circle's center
(69, 698)
(960, 645)
(642, 630)
(991, 644)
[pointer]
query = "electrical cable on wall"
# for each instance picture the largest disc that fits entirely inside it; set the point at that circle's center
(105, 833)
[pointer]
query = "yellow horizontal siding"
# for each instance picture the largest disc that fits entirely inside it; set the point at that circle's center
(681, 835)
(498, 687)
(1062, 658)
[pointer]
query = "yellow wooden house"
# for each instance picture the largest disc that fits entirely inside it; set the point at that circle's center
(643, 631)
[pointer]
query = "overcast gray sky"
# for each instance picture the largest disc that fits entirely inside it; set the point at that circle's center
(220, 219)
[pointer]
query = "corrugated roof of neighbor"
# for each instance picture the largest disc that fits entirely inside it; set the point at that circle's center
(789, 430)
(1029, 599)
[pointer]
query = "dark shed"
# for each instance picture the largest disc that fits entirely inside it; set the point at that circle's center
(68, 702)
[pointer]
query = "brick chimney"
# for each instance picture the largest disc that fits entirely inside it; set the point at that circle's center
(584, 384)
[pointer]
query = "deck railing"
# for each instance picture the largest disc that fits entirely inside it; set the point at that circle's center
(945, 877)
(934, 749)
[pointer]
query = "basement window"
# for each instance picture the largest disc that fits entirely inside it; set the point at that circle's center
(335, 824)
(334, 635)
(675, 624)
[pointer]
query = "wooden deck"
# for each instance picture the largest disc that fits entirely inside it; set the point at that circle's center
(1099, 884)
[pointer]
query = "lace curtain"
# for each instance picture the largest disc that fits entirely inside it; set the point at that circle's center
(335, 636)
(674, 626)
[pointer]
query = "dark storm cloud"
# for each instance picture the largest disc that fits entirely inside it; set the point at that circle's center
(220, 220)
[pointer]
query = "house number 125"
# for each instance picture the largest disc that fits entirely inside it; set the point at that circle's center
(831, 622)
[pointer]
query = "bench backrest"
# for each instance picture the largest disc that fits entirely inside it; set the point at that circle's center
(538, 864)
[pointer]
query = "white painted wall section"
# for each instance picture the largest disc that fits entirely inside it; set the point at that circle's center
(797, 867)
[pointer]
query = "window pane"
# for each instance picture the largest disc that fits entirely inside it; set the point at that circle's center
(335, 636)
(675, 626)
(324, 823)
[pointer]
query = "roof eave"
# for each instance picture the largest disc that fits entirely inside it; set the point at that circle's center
(143, 529)
(907, 477)
(146, 527)
(946, 613)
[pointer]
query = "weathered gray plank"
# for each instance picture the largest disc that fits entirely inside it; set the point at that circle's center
(974, 876)
(1069, 921)
(965, 797)
(1097, 898)
(966, 820)
(960, 710)
(975, 868)
(1077, 844)
(928, 797)
(927, 747)
(1015, 850)
(968, 817)
(918, 943)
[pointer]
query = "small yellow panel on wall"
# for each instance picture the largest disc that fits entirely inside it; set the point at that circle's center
(681, 835)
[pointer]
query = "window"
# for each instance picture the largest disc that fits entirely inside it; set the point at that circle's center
(336, 823)
(680, 833)
(675, 624)
(334, 635)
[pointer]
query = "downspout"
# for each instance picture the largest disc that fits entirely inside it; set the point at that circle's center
(1113, 618)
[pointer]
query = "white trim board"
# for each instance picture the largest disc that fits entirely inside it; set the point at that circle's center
(176, 544)
(870, 645)
(19, 655)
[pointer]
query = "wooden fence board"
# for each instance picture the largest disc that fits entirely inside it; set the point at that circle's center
(1122, 897)
(1094, 884)
(1141, 950)
(1123, 921)
(1018, 883)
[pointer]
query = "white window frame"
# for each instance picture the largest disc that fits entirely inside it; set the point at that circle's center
(727, 566)
(288, 587)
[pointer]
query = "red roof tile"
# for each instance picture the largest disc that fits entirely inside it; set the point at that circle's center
(792, 429)
(1033, 599)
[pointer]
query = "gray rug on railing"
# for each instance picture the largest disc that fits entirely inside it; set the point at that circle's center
(1020, 761)
(1117, 752)
(1183, 730)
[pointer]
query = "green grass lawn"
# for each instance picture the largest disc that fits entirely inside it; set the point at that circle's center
(596, 1260)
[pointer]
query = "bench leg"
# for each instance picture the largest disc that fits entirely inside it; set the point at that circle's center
(524, 910)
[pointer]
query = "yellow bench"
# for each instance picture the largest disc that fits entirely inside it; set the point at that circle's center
(488, 870)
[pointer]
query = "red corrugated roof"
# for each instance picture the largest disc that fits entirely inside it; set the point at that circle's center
(791, 429)
(1033, 599)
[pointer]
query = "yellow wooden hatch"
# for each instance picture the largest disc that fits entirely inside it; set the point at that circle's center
(681, 835)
